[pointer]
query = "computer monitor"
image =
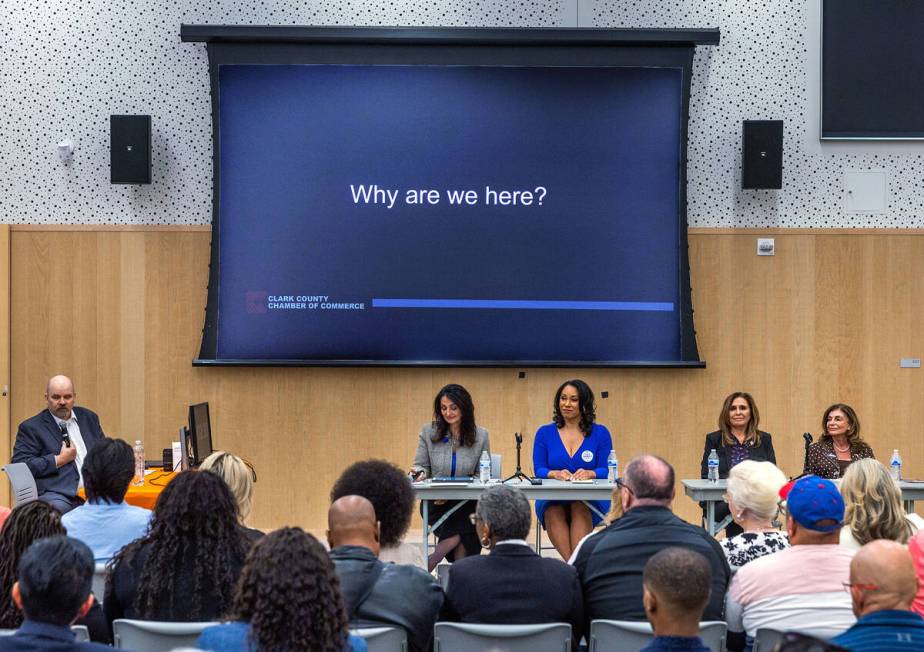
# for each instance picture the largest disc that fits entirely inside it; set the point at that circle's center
(200, 433)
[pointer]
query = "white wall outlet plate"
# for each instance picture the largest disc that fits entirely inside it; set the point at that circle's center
(766, 246)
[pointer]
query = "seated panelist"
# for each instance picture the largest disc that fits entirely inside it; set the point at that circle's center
(572, 447)
(451, 445)
(736, 440)
(54, 444)
(839, 446)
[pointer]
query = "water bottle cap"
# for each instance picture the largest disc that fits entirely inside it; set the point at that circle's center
(137, 442)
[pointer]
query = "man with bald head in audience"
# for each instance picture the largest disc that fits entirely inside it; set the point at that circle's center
(54, 443)
(376, 593)
(611, 562)
(882, 586)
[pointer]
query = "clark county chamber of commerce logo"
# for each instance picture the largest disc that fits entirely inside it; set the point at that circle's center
(262, 302)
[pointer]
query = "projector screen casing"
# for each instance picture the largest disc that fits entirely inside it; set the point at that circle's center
(450, 47)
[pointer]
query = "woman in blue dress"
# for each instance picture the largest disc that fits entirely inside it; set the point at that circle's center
(573, 447)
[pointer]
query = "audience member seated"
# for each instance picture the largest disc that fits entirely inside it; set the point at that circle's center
(240, 478)
(389, 490)
(106, 522)
(610, 563)
(676, 590)
(186, 566)
(800, 588)
(753, 497)
(288, 598)
(916, 548)
(873, 506)
(27, 523)
(376, 593)
(511, 585)
(55, 575)
(882, 586)
(613, 515)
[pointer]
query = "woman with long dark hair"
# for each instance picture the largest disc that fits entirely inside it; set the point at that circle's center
(451, 445)
(572, 447)
(736, 440)
(25, 524)
(288, 598)
(186, 567)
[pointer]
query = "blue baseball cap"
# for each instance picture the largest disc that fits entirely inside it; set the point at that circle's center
(812, 501)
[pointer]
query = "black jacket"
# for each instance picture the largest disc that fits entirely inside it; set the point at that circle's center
(514, 585)
(395, 594)
(762, 453)
(610, 563)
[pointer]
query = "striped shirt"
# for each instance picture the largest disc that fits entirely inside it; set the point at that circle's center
(799, 589)
(884, 631)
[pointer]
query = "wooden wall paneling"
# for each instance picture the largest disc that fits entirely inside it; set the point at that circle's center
(825, 319)
(5, 380)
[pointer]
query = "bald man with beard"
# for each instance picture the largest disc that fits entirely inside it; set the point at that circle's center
(55, 442)
(376, 593)
(883, 584)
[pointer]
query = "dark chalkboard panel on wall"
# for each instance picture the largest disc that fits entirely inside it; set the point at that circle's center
(872, 69)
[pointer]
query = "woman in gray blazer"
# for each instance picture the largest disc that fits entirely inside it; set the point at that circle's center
(451, 446)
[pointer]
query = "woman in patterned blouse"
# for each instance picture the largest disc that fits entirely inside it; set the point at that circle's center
(840, 444)
(752, 495)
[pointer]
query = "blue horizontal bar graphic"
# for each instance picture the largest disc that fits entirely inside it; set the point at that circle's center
(516, 304)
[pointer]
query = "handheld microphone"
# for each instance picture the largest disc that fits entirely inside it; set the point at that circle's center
(807, 437)
(66, 437)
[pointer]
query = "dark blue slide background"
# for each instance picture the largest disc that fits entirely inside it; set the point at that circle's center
(603, 142)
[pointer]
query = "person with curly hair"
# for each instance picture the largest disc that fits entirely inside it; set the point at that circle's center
(27, 523)
(288, 598)
(186, 566)
(451, 445)
(573, 447)
(388, 489)
(873, 507)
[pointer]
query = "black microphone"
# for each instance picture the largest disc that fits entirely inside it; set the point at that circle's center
(807, 437)
(64, 435)
(518, 437)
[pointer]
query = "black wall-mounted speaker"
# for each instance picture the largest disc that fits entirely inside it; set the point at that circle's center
(130, 148)
(762, 154)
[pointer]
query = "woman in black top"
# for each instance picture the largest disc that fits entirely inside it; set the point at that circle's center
(839, 446)
(186, 567)
(736, 440)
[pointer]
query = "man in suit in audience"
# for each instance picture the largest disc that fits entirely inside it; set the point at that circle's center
(55, 577)
(800, 588)
(54, 443)
(676, 590)
(882, 587)
(610, 563)
(376, 593)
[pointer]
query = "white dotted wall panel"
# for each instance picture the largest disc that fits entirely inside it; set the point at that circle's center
(66, 66)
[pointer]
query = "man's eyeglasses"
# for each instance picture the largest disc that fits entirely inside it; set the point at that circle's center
(863, 587)
(623, 485)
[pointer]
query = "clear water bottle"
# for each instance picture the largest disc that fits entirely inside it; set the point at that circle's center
(484, 467)
(895, 466)
(139, 464)
(713, 464)
(612, 466)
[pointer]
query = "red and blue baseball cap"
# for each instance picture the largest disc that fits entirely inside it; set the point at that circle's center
(815, 503)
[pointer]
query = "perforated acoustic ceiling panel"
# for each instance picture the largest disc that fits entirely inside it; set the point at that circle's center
(67, 65)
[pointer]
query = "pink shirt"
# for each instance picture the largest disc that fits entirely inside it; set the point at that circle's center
(916, 548)
(797, 589)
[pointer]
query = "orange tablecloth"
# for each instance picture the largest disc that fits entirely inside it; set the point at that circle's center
(145, 495)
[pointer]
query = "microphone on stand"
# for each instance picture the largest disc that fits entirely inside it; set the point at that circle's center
(518, 474)
(808, 442)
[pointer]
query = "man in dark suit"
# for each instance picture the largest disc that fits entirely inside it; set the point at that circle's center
(55, 577)
(55, 442)
(512, 585)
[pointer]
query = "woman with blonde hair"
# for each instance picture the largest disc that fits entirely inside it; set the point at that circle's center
(240, 477)
(752, 495)
(873, 506)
